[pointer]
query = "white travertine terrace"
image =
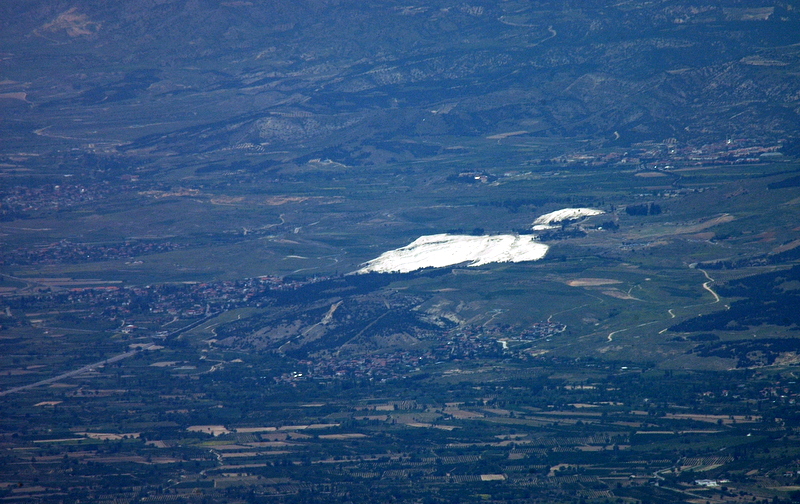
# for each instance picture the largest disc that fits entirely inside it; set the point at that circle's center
(440, 250)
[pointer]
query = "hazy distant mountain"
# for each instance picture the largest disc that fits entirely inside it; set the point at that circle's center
(189, 76)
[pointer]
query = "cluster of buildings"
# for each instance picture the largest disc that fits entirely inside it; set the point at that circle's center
(153, 305)
(65, 251)
(542, 330)
(465, 343)
(670, 153)
(22, 199)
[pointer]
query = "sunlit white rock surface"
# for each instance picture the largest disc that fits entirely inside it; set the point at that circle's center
(442, 250)
(546, 221)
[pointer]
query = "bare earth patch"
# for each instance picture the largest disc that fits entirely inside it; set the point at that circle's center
(592, 282)
(15, 96)
(461, 414)
(787, 246)
(722, 219)
(342, 436)
(501, 136)
(227, 200)
(72, 22)
(282, 200)
(619, 294)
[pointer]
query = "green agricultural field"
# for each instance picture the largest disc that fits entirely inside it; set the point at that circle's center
(187, 190)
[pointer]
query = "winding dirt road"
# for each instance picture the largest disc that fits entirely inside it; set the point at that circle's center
(706, 285)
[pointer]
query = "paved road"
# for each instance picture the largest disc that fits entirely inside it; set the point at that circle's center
(76, 372)
(92, 367)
